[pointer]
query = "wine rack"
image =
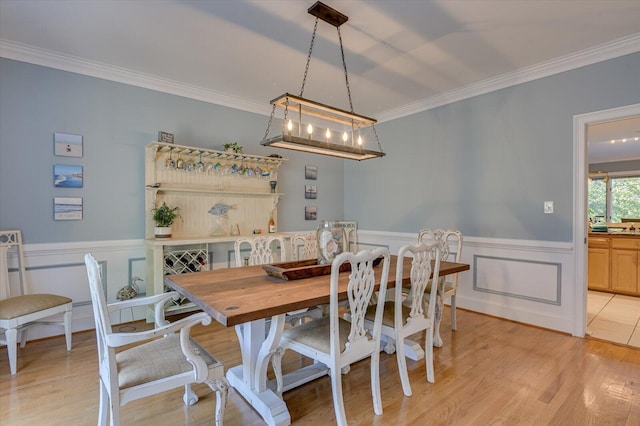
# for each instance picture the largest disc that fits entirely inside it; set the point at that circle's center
(183, 260)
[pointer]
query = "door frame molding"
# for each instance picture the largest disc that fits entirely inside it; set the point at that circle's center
(580, 203)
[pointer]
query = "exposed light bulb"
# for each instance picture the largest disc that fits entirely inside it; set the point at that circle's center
(360, 140)
(290, 126)
(309, 129)
(328, 133)
(345, 136)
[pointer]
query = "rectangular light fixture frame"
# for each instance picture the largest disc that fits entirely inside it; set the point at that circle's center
(296, 106)
(318, 147)
(316, 109)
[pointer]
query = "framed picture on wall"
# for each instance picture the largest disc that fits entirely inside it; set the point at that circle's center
(66, 145)
(311, 172)
(310, 213)
(310, 192)
(67, 208)
(67, 176)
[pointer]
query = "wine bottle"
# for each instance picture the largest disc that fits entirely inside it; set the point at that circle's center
(272, 225)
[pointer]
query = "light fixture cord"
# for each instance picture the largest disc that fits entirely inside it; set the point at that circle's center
(344, 66)
(266, 133)
(306, 69)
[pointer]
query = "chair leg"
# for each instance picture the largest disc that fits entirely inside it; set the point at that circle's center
(454, 324)
(375, 382)
(11, 335)
(221, 388)
(67, 329)
(402, 367)
(24, 333)
(276, 363)
(189, 397)
(338, 401)
(428, 355)
(104, 405)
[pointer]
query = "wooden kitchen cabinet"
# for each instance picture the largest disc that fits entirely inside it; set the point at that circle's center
(625, 265)
(599, 261)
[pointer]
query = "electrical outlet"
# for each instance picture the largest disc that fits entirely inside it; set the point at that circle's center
(548, 207)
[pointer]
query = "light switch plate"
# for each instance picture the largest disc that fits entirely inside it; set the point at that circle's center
(548, 206)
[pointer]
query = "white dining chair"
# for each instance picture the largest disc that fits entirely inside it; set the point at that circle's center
(338, 343)
(164, 358)
(406, 316)
(24, 310)
(451, 251)
(263, 249)
(304, 246)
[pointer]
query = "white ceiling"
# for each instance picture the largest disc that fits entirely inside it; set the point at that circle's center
(402, 56)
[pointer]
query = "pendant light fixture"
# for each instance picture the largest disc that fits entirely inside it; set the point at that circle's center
(317, 128)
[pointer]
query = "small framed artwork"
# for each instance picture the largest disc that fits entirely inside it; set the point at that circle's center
(67, 176)
(311, 172)
(165, 137)
(310, 192)
(66, 145)
(67, 208)
(310, 213)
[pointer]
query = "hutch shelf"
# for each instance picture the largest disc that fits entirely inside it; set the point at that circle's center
(195, 179)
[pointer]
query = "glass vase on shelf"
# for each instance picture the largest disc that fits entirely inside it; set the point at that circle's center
(218, 230)
(331, 241)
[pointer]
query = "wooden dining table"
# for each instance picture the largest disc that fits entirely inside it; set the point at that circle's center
(247, 298)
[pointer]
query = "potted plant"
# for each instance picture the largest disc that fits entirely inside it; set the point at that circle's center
(233, 147)
(164, 216)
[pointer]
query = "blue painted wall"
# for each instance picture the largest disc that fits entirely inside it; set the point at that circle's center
(117, 121)
(487, 164)
(484, 165)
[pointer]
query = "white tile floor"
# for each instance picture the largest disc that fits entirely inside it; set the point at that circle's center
(615, 318)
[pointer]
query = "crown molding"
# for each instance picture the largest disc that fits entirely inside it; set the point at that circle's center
(47, 58)
(33, 55)
(603, 52)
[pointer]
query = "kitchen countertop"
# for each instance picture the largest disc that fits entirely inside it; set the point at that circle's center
(614, 233)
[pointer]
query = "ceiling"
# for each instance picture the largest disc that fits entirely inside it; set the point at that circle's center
(403, 56)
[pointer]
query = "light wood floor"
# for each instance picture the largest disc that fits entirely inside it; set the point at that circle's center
(490, 371)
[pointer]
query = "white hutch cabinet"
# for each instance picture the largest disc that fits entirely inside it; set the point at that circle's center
(196, 179)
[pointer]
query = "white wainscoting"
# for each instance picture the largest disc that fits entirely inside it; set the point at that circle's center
(526, 281)
(59, 268)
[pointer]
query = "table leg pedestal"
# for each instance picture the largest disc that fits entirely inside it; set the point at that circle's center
(267, 403)
(412, 349)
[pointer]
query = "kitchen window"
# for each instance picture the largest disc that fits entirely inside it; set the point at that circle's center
(614, 196)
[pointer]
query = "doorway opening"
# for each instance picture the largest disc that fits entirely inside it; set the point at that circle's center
(581, 168)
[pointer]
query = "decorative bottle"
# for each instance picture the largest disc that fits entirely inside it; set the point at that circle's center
(272, 225)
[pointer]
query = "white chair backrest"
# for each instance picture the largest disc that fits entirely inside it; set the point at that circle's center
(10, 240)
(451, 250)
(421, 270)
(451, 242)
(360, 290)
(261, 249)
(304, 246)
(106, 355)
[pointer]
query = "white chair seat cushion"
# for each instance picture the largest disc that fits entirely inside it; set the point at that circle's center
(388, 317)
(316, 333)
(156, 360)
(18, 306)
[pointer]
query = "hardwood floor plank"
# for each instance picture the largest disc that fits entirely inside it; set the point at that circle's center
(490, 371)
